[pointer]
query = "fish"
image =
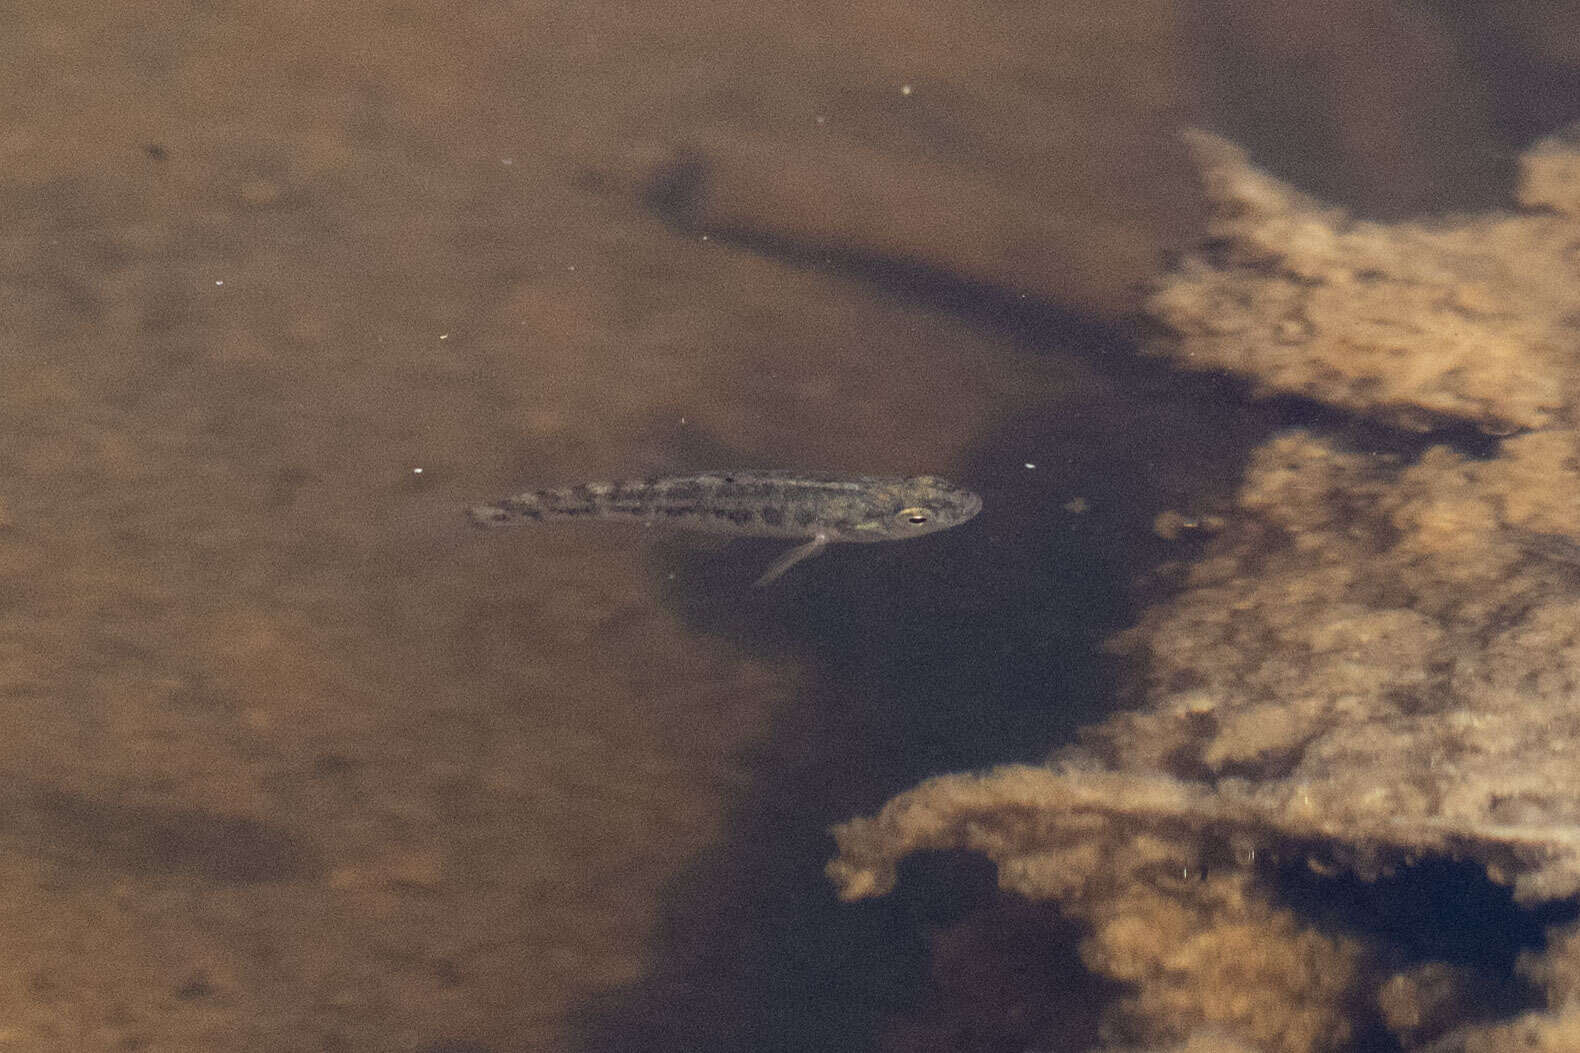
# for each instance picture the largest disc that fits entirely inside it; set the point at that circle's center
(816, 509)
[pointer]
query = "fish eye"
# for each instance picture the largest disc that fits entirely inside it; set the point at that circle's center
(914, 516)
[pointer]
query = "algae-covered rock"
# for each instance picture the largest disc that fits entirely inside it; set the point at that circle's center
(1466, 317)
(1376, 662)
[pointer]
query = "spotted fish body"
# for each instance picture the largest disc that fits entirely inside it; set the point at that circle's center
(818, 509)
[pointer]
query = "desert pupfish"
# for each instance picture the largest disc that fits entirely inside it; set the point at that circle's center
(756, 503)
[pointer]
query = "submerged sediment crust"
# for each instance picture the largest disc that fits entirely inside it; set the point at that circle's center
(1375, 663)
(1470, 317)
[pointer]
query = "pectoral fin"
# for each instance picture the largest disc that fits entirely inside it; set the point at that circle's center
(791, 558)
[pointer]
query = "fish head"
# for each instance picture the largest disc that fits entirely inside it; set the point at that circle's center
(923, 504)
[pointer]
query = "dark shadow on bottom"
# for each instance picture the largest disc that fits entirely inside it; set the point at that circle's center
(957, 651)
(1442, 924)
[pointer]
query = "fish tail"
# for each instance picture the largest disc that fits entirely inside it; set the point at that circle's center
(571, 502)
(509, 511)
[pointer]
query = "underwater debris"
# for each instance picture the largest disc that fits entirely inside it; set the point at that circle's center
(1372, 664)
(1471, 317)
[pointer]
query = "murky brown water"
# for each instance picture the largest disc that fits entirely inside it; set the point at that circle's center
(289, 759)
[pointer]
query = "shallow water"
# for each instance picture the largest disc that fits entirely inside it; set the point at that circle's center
(295, 760)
